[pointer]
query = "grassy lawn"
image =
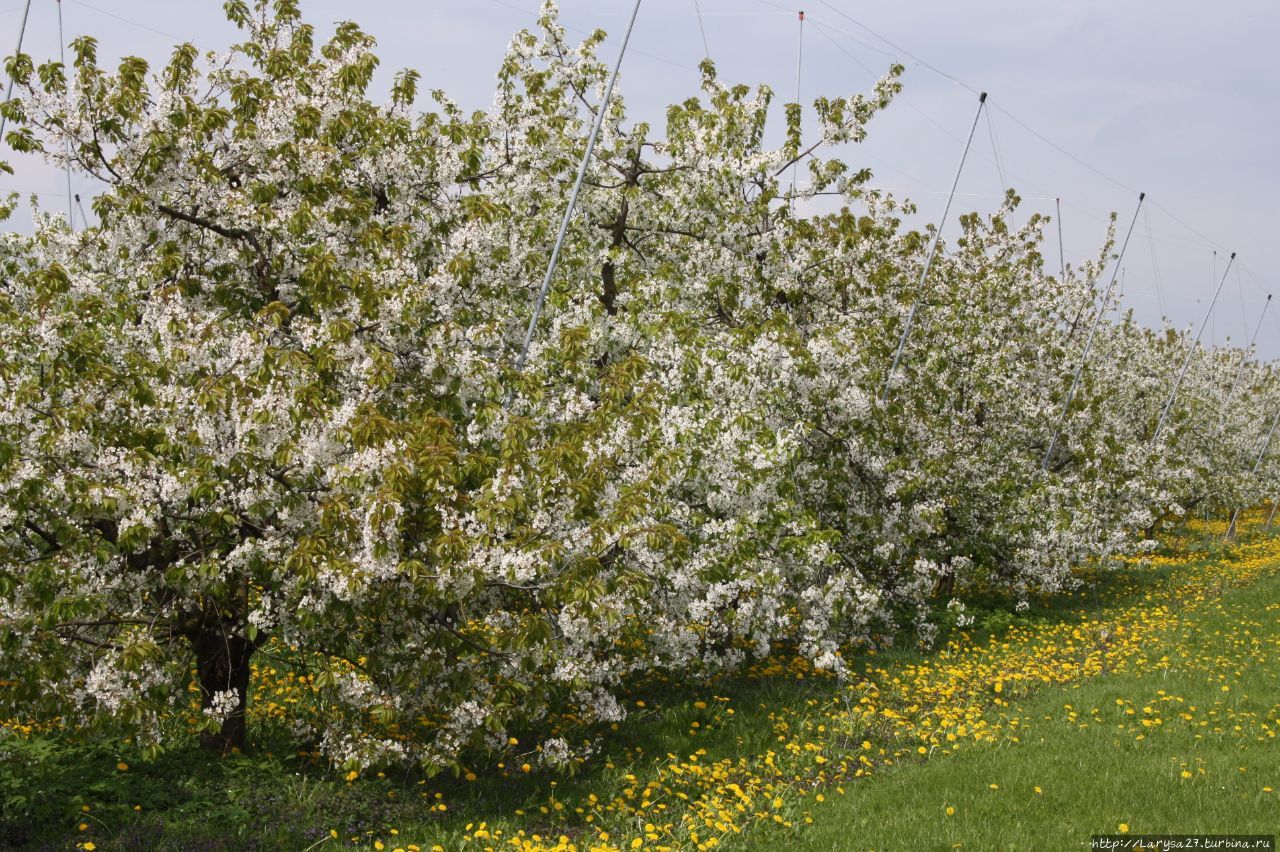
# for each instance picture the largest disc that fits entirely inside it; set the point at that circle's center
(782, 756)
(1084, 762)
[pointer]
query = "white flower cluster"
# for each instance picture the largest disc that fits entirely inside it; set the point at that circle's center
(222, 704)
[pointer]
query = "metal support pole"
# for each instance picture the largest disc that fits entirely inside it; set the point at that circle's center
(1244, 356)
(1239, 374)
(928, 262)
(1257, 466)
(84, 219)
(573, 199)
(1213, 333)
(22, 30)
(1062, 258)
(706, 46)
(66, 143)
(1191, 351)
(1088, 343)
(795, 167)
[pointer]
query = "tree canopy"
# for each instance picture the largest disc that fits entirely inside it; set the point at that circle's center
(268, 403)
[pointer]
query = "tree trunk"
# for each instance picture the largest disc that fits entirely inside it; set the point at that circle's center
(222, 664)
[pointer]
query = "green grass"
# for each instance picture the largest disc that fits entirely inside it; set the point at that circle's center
(1092, 778)
(1095, 775)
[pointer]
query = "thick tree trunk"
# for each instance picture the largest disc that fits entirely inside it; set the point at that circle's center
(222, 664)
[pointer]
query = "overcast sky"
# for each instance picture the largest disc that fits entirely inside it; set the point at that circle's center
(1171, 97)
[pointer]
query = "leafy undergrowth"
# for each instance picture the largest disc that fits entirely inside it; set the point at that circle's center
(782, 753)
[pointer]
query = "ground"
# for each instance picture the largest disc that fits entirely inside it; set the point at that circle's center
(1147, 702)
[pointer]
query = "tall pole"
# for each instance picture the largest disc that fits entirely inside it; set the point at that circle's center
(573, 200)
(22, 30)
(1257, 465)
(706, 46)
(1235, 383)
(1244, 356)
(928, 262)
(1088, 342)
(1191, 351)
(799, 65)
(1231, 395)
(1213, 333)
(66, 143)
(1062, 258)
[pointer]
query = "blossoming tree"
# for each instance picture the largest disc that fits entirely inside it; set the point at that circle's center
(267, 404)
